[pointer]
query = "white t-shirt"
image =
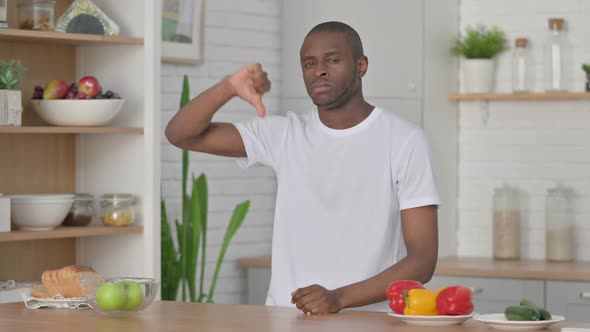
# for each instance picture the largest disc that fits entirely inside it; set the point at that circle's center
(339, 195)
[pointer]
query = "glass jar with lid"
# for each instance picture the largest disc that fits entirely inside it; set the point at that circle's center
(36, 15)
(560, 232)
(81, 212)
(117, 209)
(506, 227)
(3, 14)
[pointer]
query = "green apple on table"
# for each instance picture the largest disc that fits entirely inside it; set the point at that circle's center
(123, 295)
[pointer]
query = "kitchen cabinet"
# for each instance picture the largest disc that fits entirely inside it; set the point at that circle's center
(411, 72)
(493, 295)
(571, 299)
(122, 157)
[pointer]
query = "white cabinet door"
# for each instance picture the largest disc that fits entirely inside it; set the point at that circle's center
(493, 295)
(570, 299)
(391, 31)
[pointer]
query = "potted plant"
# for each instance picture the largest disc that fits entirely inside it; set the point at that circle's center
(179, 266)
(586, 69)
(479, 46)
(10, 98)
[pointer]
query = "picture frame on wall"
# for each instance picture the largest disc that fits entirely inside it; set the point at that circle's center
(182, 31)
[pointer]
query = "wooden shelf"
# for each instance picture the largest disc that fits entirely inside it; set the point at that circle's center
(67, 232)
(15, 35)
(69, 130)
(522, 96)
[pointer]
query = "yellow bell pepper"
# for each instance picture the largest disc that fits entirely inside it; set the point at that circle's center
(420, 302)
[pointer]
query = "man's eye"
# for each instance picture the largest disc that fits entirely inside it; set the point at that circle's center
(308, 64)
(333, 60)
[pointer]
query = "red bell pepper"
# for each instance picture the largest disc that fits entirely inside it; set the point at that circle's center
(397, 302)
(454, 300)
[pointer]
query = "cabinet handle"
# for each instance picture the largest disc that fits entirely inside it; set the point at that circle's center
(585, 295)
(476, 290)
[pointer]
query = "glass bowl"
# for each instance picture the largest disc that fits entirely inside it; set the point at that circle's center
(119, 296)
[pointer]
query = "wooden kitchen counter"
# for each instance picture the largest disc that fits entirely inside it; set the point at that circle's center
(488, 267)
(179, 316)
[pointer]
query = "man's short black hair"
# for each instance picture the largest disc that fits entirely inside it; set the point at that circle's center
(352, 36)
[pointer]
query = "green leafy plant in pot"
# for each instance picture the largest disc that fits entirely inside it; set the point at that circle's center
(10, 97)
(179, 266)
(479, 46)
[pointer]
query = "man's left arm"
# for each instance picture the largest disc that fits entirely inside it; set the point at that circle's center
(420, 231)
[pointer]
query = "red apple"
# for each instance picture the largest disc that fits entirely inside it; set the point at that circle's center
(89, 86)
(55, 89)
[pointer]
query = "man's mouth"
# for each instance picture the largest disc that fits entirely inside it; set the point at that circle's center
(320, 87)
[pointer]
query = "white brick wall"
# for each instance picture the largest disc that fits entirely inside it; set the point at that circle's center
(531, 145)
(237, 32)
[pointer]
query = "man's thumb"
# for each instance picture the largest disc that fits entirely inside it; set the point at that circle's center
(257, 102)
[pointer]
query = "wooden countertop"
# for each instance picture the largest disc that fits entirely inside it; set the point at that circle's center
(182, 316)
(487, 267)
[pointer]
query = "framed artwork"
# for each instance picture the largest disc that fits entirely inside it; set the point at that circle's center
(182, 31)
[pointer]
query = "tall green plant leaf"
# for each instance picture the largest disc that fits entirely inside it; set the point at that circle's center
(236, 221)
(182, 248)
(168, 255)
(187, 249)
(195, 238)
(202, 194)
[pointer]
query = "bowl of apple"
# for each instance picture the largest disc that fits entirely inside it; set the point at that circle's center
(82, 103)
(119, 296)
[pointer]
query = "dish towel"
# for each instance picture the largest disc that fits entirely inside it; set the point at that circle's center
(56, 302)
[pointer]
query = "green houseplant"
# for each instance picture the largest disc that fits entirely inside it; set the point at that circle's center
(179, 266)
(479, 45)
(10, 97)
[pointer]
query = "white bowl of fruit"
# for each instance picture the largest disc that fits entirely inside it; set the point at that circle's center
(78, 104)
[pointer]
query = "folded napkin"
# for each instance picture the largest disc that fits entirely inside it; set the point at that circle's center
(57, 302)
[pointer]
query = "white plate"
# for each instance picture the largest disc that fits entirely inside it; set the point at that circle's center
(499, 322)
(431, 320)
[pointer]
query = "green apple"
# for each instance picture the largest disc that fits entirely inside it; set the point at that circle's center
(110, 297)
(134, 294)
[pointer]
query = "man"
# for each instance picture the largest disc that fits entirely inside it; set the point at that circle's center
(347, 174)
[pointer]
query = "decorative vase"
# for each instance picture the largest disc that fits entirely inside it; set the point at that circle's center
(478, 75)
(11, 108)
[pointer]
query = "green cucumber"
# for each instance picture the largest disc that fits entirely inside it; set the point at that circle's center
(521, 312)
(545, 315)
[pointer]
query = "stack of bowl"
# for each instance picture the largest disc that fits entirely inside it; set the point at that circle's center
(39, 212)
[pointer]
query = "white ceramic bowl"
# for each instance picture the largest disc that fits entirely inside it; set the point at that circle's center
(39, 212)
(78, 112)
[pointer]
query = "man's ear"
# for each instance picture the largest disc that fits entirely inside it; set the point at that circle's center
(363, 65)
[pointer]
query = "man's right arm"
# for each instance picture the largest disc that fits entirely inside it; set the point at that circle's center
(191, 128)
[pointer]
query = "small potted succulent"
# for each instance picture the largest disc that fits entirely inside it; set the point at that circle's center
(479, 46)
(586, 69)
(10, 97)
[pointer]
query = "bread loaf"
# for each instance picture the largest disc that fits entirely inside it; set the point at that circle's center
(64, 281)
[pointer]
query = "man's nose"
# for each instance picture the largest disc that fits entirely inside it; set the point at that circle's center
(320, 70)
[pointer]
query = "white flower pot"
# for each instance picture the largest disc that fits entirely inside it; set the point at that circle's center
(478, 75)
(11, 108)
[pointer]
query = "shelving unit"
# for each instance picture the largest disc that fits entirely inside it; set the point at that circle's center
(58, 38)
(521, 96)
(121, 158)
(68, 232)
(70, 130)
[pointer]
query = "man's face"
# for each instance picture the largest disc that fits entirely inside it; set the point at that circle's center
(330, 72)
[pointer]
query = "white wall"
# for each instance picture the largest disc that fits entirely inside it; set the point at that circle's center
(237, 32)
(531, 145)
